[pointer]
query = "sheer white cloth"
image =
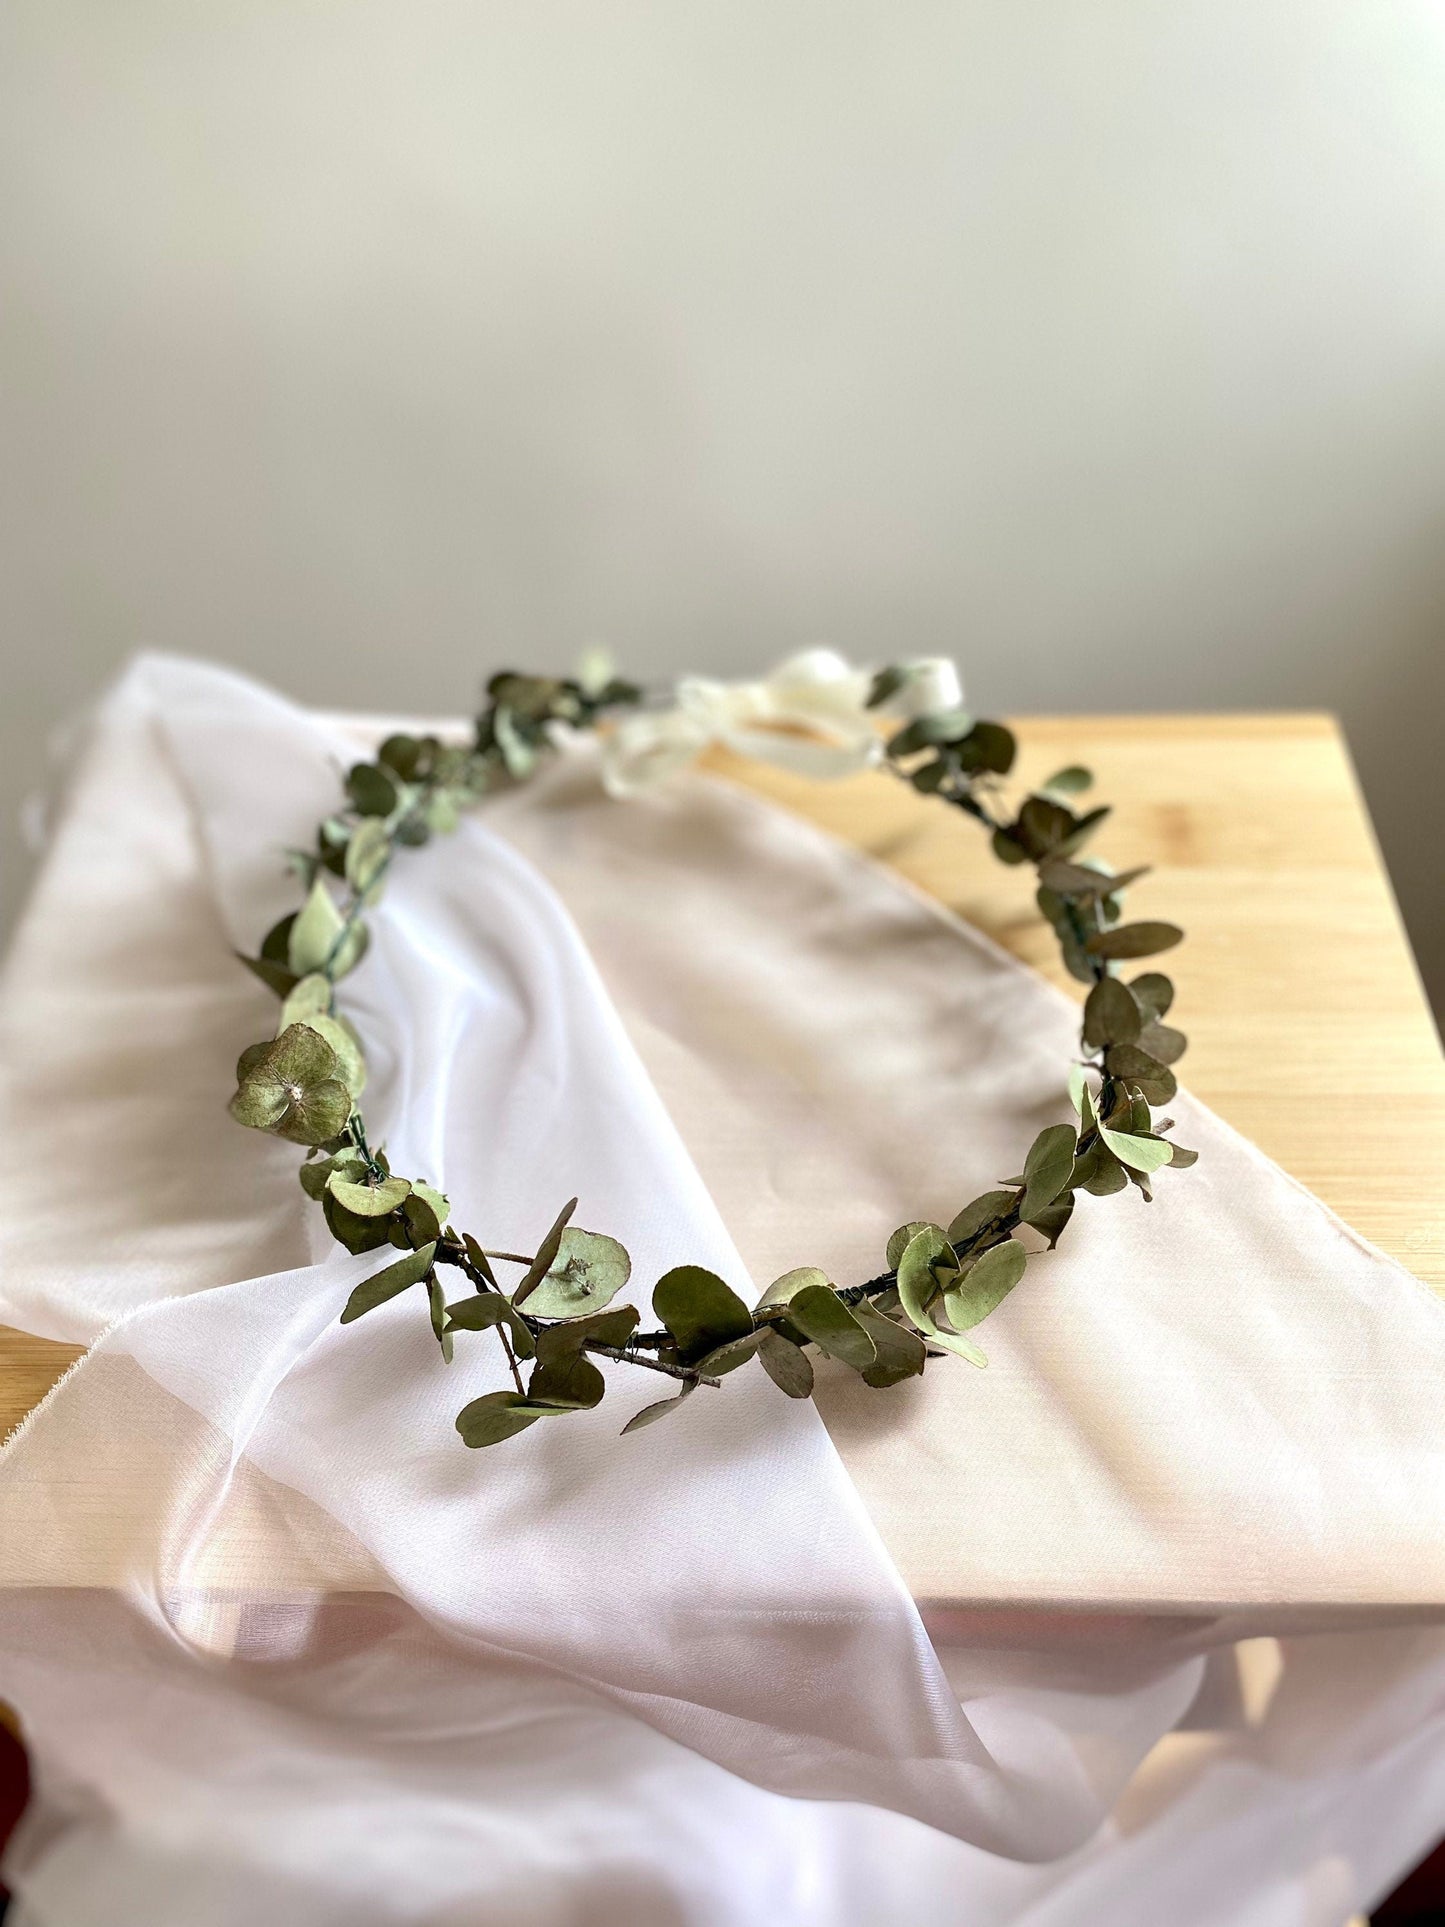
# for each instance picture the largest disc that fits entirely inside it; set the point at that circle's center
(282, 1644)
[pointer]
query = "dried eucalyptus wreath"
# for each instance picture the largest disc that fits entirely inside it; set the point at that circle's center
(304, 1083)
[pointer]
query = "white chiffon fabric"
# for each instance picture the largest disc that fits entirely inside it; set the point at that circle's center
(282, 1645)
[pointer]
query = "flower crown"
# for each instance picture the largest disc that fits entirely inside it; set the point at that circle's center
(818, 716)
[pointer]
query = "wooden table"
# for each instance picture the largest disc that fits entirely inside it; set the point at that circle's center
(1306, 1011)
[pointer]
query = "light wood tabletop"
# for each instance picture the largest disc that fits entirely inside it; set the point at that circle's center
(1305, 1004)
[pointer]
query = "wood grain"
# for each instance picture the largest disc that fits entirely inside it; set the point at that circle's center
(1305, 1010)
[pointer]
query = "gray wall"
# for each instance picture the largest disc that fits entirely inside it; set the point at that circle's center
(367, 345)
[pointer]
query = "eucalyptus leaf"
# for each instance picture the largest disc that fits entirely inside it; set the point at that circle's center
(792, 1282)
(1181, 1159)
(371, 789)
(437, 1305)
(1053, 1219)
(1047, 1167)
(984, 1215)
(565, 1376)
(546, 1254)
(900, 1242)
(369, 1198)
(480, 1313)
(1135, 940)
(790, 1369)
(928, 1263)
(737, 1351)
(1135, 1066)
(399, 1277)
(587, 1273)
(1163, 1043)
(699, 1309)
(422, 1224)
(899, 1352)
(818, 1311)
(501, 1415)
(650, 1414)
(986, 1283)
(356, 1233)
(367, 855)
(313, 935)
(1138, 1153)
(308, 997)
(1155, 993)
(1070, 781)
(342, 1037)
(1111, 1016)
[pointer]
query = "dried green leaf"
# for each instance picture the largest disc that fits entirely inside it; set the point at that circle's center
(314, 933)
(1043, 826)
(1164, 1044)
(564, 1375)
(371, 789)
(981, 1218)
(406, 1272)
(1181, 1159)
(1068, 782)
(791, 1282)
(1053, 1219)
(309, 997)
(928, 1262)
(820, 1313)
(1135, 940)
(1047, 1168)
(737, 1351)
(1138, 1153)
(988, 746)
(1135, 1066)
(900, 1352)
(986, 1283)
(900, 1241)
(546, 1254)
(367, 855)
(587, 1273)
(699, 1309)
(501, 1415)
(1111, 1015)
(437, 1305)
(368, 1197)
(1155, 993)
(790, 1369)
(650, 1414)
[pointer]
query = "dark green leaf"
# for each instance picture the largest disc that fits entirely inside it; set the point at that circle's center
(988, 746)
(1111, 1015)
(437, 1304)
(372, 791)
(1182, 1159)
(1135, 940)
(501, 1415)
(900, 1352)
(1007, 848)
(901, 1240)
(1084, 827)
(401, 755)
(790, 1369)
(1054, 1218)
(406, 1272)
(1134, 1066)
(1047, 1168)
(1155, 993)
(357, 1234)
(1070, 781)
(565, 1376)
(1043, 825)
(479, 1314)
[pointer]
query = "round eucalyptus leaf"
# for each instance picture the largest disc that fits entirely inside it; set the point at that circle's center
(396, 1278)
(699, 1310)
(1139, 1153)
(1155, 993)
(818, 1311)
(587, 1273)
(1135, 940)
(1047, 1168)
(371, 789)
(901, 1239)
(342, 1037)
(500, 1415)
(1111, 1014)
(566, 1378)
(901, 1353)
(983, 1215)
(369, 1198)
(792, 1282)
(310, 997)
(986, 1283)
(790, 1369)
(928, 1261)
